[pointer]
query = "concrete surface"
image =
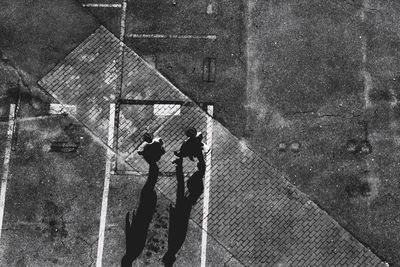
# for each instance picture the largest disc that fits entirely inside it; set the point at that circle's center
(296, 42)
(251, 206)
(321, 74)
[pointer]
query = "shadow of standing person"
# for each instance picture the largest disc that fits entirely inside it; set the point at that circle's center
(179, 215)
(136, 231)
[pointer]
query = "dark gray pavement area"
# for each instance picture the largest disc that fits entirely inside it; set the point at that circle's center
(181, 61)
(319, 72)
(37, 34)
(53, 199)
(289, 44)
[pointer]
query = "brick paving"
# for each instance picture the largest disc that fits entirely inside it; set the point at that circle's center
(254, 212)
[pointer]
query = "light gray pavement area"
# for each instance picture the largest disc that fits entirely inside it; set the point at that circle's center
(254, 212)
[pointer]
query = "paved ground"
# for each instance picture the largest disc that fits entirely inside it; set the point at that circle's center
(53, 204)
(37, 34)
(181, 60)
(323, 168)
(323, 74)
(251, 206)
(53, 200)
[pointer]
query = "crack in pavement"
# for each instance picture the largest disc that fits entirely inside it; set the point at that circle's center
(91, 245)
(316, 114)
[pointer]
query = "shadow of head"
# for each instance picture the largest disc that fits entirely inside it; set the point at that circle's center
(192, 147)
(152, 152)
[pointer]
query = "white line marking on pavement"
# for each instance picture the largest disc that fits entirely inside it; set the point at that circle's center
(366, 75)
(207, 178)
(171, 36)
(107, 176)
(6, 165)
(123, 19)
(102, 5)
(119, 89)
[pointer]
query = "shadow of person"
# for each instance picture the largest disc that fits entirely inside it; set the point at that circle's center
(179, 215)
(136, 231)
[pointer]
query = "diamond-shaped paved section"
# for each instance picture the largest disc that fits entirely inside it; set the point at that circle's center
(253, 211)
(90, 78)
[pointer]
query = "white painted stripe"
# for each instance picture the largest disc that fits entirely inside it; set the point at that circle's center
(103, 215)
(207, 179)
(366, 75)
(123, 19)
(102, 5)
(171, 36)
(6, 164)
(119, 89)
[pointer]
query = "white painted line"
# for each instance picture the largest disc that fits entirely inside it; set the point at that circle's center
(119, 89)
(102, 5)
(103, 215)
(207, 179)
(123, 19)
(211, 7)
(6, 164)
(366, 75)
(171, 36)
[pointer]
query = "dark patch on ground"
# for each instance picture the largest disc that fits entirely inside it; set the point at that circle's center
(380, 95)
(356, 188)
(64, 147)
(54, 221)
(37, 34)
(108, 17)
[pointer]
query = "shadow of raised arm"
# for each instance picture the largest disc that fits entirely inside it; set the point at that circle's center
(180, 214)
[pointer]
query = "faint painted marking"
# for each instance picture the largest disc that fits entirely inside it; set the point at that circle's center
(211, 7)
(57, 109)
(171, 36)
(366, 75)
(394, 97)
(6, 164)
(207, 178)
(102, 5)
(107, 176)
(123, 19)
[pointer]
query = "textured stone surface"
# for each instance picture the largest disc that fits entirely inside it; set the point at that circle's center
(258, 216)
